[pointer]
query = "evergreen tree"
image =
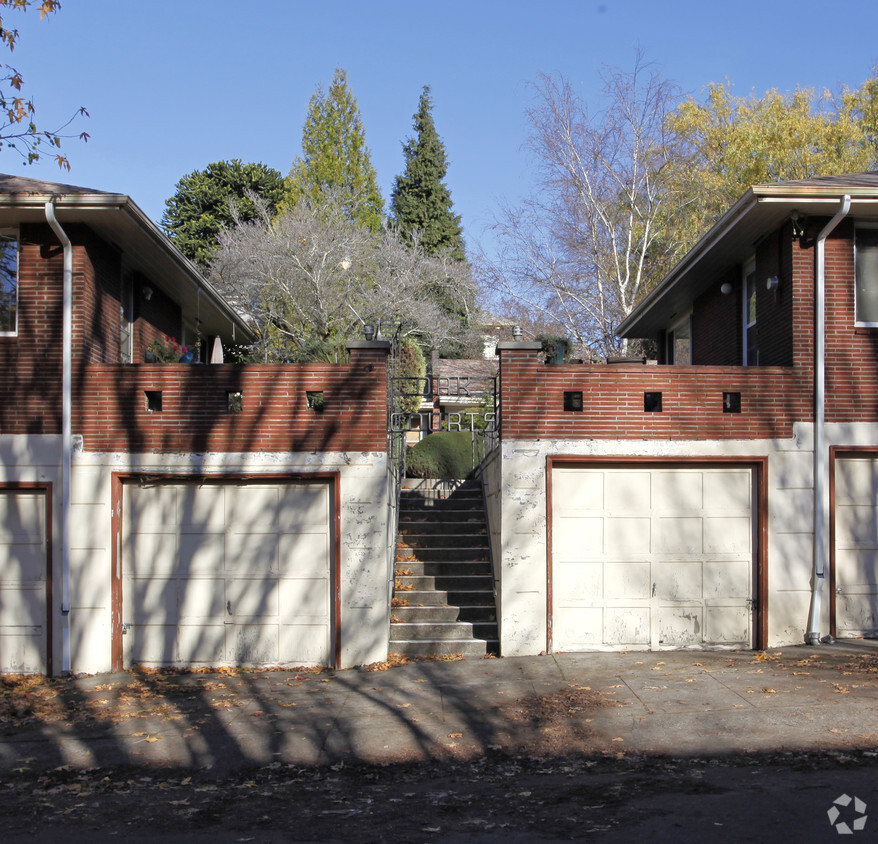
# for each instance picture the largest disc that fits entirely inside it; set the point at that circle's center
(202, 204)
(335, 155)
(421, 201)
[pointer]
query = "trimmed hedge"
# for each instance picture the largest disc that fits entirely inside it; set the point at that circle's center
(444, 454)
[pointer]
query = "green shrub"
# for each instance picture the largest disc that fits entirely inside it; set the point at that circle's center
(445, 454)
(412, 364)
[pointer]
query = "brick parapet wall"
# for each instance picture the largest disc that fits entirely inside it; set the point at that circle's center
(110, 409)
(532, 401)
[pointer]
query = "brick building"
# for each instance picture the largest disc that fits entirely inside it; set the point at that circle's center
(172, 513)
(726, 496)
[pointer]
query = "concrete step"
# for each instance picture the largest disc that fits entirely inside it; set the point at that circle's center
(441, 598)
(424, 614)
(439, 569)
(430, 631)
(445, 583)
(464, 647)
(443, 526)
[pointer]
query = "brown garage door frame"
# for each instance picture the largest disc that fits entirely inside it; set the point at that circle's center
(759, 466)
(836, 453)
(46, 489)
(121, 478)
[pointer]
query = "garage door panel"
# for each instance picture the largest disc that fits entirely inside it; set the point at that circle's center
(304, 600)
(251, 552)
(856, 526)
(22, 563)
(627, 537)
(625, 626)
(200, 644)
(578, 627)
(22, 518)
(856, 613)
(628, 492)
(256, 644)
(152, 554)
(201, 553)
(626, 581)
(680, 626)
(212, 578)
(304, 644)
(303, 506)
(728, 490)
(730, 579)
(252, 508)
(681, 535)
(728, 535)
(579, 537)
(151, 644)
(677, 491)
(22, 650)
(582, 580)
(253, 598)
(673, 539)
(303, 554)
(676, 581)
(856, 569)
(578, 490)
(855, 481)
(151, 508)
(152, 599)
(201, 598)
(726, 625)
(202, 509)
(23, 605)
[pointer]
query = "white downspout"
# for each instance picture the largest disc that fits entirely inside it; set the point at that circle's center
(66, 430)
(821, 556)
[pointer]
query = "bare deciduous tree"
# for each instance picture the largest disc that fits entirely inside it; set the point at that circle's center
(312, 275)
(584, 249)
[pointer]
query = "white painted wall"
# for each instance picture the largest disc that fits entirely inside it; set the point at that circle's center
(363, 531)
(522, 568)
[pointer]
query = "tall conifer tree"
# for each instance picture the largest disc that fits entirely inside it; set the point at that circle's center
(421, 201)
(335, 155)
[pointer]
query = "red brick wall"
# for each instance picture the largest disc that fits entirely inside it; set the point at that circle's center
(532, 401)
(30, 388)
(716, 324)
(111, 410)
(851, 352)
(774, 309)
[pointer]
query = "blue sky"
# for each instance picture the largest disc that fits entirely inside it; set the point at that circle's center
(173, 85)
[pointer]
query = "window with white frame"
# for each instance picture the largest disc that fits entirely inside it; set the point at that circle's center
(751, 348)
(866, 274)
(8, 282)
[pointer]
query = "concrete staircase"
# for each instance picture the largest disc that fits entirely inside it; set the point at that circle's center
(444, 595)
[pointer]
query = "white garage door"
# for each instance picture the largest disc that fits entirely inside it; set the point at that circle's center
(652, 558)
(221, 574)
(856, 546)
(23, 581)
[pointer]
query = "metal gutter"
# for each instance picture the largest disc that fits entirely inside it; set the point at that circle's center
(818, 576)
(66, 429)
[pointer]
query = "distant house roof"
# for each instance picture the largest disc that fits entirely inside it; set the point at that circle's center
(119, 221)
(762, 209)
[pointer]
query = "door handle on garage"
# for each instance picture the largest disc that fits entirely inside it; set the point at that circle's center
(229, 607)
(653, 590)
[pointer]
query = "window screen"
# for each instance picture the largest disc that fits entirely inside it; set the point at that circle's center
(867, 275)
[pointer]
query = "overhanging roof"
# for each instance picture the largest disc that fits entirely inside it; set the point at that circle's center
(120, 222)
(761, 210)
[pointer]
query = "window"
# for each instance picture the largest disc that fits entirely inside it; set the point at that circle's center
(8, 282)
(679, 343)
(126, 310)
(751, 349)
(866, 270)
